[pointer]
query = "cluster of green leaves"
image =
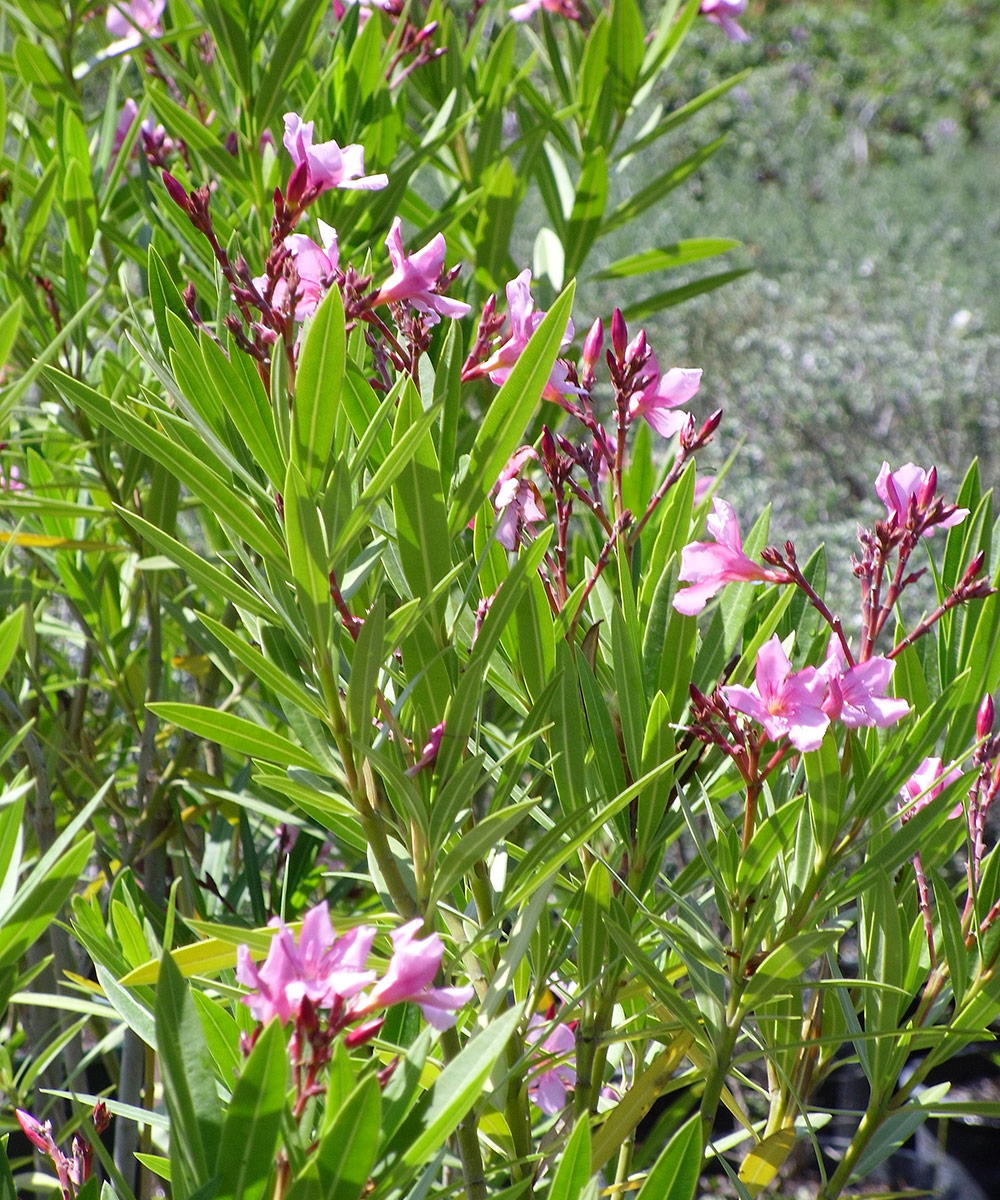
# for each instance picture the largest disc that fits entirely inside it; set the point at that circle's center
(178, 679)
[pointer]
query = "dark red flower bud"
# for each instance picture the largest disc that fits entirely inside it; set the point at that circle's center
(549, 452)
(177, 192)
(619, 334)
(297, 185)
(593, 344)
(984, 718)
(925, 496)
(363, 1033)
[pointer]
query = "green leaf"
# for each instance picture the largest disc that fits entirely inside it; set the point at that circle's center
(418, 506)
(680, 295)
(366, 665)
(675, 1173)
(10, 639)
(296, 34)
(507, 417)
(10, 322)
(593, 942)
(654, 192)
(626, 38)
(955, 952)
(163, 298)
(628, 684)
(474, 845)
(229, 33)
(308, 557)
(80, 209)
(788, 962)
(823, 785)
(213, 581)
(455, 1091)
(667, 258)
(573, 1170)
(246, 402)
(188, 1082)
(319, 382)
(237, 733)
(588, 210)
(658, 746)
(567, 742)
(346, 1153)
(253, 1120)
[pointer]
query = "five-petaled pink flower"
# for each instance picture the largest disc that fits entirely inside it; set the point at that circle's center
(926, 783)
(327, 164)
(658, 401)
(412, 968)
(128, 20)
(415, 277)
(314, 264)
(856, 695)
(709, 566)
(321, 968)
(523, 323)
(897, 488)
(724, 13)
(517, 501)
(787, 704)
(547, 1088)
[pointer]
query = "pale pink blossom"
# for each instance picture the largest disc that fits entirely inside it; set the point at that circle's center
(547, 1088)
(926, 783)
(909, 482)
(561, 8)
(788, 704)
(11, 480)
(517, 501)
(128, 20)
(658, 401)
(70, 1171)
(709, 566)
(327, 164)
(415, 277)
(524, 320)
(411, 971)
(724, 13)
(856, 695)
(320, 967)
(315, 264)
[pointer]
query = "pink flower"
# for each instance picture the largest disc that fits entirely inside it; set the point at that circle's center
(412, 968)
(430, 751)
(523, 323)
(314, 264)
(517, 501)
(547, 1089)
(327, 165)
(11, 481)
(711, 565)
(561, 8)
(128, 20)
(857, 696)
(925, 784)
(415, 277)
(787, 705)
(896, 489)
(71, 1171)
(657, 402)
(724, 13)
(322, 968)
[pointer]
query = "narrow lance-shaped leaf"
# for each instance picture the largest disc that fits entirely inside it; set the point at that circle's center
(319, 381)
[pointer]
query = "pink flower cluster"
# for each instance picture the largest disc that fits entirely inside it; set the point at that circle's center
(524, 320)
(331, 973)
(926, 783)
(128, 20)
(800, 705)
(724, 13)
(326, 165)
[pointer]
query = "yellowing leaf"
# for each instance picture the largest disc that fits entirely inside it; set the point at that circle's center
(765, 1160)
(46, 541)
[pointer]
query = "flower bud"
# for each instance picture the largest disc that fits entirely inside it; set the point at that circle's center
(593, 344)
(619, 334)
(984, 718)
(925, 496)
(549, 453)
(177, 192)
(297, 185)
